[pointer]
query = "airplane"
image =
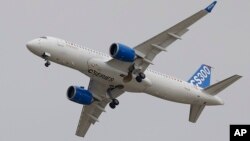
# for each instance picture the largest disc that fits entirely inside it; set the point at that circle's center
(126, 70)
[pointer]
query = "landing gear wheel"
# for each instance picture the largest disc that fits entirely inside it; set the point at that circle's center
(112, 105)
(142, 75)
(47, 64)
(138, 79)
(115, 101)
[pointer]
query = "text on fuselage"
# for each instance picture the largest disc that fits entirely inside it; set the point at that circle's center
(98, 74)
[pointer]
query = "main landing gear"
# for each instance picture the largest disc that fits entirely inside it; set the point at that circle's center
(140, 76)
(46, 56)
(137, 71)
(114, 102)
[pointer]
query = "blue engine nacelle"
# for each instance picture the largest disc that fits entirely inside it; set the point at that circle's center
(79, 95)
(122, 52)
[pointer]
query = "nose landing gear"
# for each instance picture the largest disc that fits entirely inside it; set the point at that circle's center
(47, 63)
(46, 56)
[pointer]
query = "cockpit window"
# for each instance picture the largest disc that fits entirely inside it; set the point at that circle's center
(44, 37)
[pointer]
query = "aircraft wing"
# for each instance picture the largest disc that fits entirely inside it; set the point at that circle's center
(91, 113)
(148, 50)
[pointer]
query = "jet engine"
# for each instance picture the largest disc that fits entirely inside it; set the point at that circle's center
(122, 52)
(79, 95)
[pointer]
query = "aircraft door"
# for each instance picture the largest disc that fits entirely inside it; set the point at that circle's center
(60, 43)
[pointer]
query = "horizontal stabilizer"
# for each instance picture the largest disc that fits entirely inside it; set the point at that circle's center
(195, 112)
(218, 87)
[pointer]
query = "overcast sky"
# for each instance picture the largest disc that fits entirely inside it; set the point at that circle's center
(33, 103)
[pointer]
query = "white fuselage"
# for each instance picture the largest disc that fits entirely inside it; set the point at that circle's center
(93, 64)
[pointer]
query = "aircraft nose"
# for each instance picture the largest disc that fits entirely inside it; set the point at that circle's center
(33, 46)
(30, 45)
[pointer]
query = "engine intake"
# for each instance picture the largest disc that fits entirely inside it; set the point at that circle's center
(122, 52)
(79, 95)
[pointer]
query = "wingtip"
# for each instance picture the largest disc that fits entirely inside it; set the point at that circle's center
(239, 76)
(210, 7)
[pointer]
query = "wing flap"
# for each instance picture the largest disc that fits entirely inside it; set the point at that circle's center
(91, 113)
(148, 50)
(83, 127)
(167, 37)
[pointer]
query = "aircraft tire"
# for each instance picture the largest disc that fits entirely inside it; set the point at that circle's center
(112, 105)
(47, 64)
(115, 102)
(138, 79)
(142, 75)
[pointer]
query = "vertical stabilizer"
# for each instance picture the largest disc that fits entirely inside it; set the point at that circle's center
(201, 77)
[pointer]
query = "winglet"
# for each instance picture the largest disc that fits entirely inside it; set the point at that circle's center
(210, 7)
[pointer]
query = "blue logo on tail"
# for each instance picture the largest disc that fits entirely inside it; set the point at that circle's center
(201, 77)
(210, 7)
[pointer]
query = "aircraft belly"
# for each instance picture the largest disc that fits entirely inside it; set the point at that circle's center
(69, 57)
(104, 73)
(167, 89)
(115, 79)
